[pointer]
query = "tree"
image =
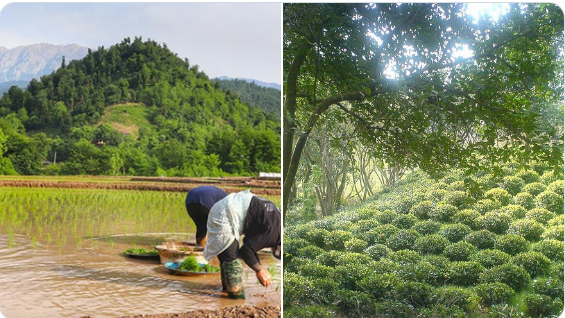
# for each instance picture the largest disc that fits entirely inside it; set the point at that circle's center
(391, 69)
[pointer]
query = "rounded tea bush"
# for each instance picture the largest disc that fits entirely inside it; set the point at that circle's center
(534, 188)
(499, 195)
(404, 239)
(552, 249)
(414, 293)
(468, 217)
(457, 186)
(541, 305)
(422, 209)
(558, 220)
(540, 215)
(314, 270)
(455, 232)
(514, 276)
(528, 176)
(488, 181)
(404, 257)
(556, 187)
(553, 232)
(486, 205)
(431, 244)
(328, 258)
(494, 293)
(443, 212)
(535, 263)
(386, 216)
(460, 251)
(425, 272)
(482, 239)
(404, 221)
(549, 286)
(529, 229)
(379, 285)
(516, 211)
(335, 240)
(436, 195)
(308, 251)
(380, 234)
(465, 273)
(551, 201)
(491, 258)
(355, 245)
(511, 244)
(317, 236)
(525, 200)
(512, 184)
(427, 227)
(496, 222)
(455, 296)
(459, 199)
(549, 176)
(378, 251)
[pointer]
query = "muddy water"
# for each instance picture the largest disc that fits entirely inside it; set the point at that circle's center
(64, 260)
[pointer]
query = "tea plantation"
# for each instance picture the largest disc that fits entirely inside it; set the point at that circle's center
(479, 246)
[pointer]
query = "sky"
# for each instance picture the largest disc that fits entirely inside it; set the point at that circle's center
(242, 40)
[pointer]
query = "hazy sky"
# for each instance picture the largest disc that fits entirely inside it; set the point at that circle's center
(231, 39)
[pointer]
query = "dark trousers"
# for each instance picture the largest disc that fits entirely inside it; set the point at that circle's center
(199, 214)
(230, 254)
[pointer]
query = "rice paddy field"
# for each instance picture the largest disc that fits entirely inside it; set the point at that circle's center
(61, 255)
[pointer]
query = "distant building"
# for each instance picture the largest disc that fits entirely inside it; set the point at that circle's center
(269, 176)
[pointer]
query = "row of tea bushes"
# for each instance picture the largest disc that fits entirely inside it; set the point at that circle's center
(435, 249)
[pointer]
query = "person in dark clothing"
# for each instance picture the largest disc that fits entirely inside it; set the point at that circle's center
(259, 220)
(198, 203)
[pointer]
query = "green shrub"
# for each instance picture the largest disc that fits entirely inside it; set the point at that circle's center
(556, 187)
(441, 310)
(314, 270)
(515, 211)
(427, 227)
(352, 258)
(443, 212)
(459, 199)
(529, 229)
(316, 236)
(494, 293)
(460, 251)
(512, 184)
(393, 308)
(335, 240)
(292, 245)
(553, 233)
(308, 251)
(378, 251)
(355, 245)
(504, 311)
(551, 201)
(514, 276)
(499, 195)
(549, 286)
(404, 239)
(295, 287)
(312, 311)
(535, 263)
(497, 222)
(553, 249)
(425, 272)
(404, 257)
(353, 300)
(386, 217)
(528, 176)
(404, 221)
(454, 232)
(482, 239)
(439, 261)
(541, 305)
(534, 188)
(491, 258)
(364, 225)
(431, 244)
(454, 296)
(348, 276)
(413, 293)
(379, 285)
(465, 273)
(458, 185)
(380, 234)
(558, 220)
(556, 270)
(549, 177)
(486, 205)
(488, 181)
(468, 217)
(540, 215)
(511, 244)
(525, 200)
(436, 195)
(422, 209)
(404, 204)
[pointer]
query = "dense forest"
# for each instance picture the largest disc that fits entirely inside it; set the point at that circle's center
(172, 120)
(269, 99)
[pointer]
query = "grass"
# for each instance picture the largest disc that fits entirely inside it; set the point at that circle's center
(127, 118)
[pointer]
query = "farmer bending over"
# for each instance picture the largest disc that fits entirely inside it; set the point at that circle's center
(259, 220)
(198, 203)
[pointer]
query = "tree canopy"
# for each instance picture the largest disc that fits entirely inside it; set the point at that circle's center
(393, 70)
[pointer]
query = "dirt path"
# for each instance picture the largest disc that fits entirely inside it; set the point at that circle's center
(228, 312)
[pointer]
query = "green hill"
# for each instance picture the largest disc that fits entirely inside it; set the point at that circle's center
(135, 108)
(266, 98)
(478, 246)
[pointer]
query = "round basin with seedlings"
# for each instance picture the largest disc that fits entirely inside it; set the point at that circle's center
(190, 266)
(179, 251)
(142, 253)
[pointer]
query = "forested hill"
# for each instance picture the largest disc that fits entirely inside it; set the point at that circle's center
(134, 108)
(269, 99)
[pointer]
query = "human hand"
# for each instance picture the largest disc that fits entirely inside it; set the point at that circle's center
(264, 277)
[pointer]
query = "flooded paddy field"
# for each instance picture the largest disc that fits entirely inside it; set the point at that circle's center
(61, 256)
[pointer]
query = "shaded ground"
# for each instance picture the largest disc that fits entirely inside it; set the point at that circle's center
(228, 312)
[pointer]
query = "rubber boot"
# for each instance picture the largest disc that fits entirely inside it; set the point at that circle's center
(233, 272)
(224, 279)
